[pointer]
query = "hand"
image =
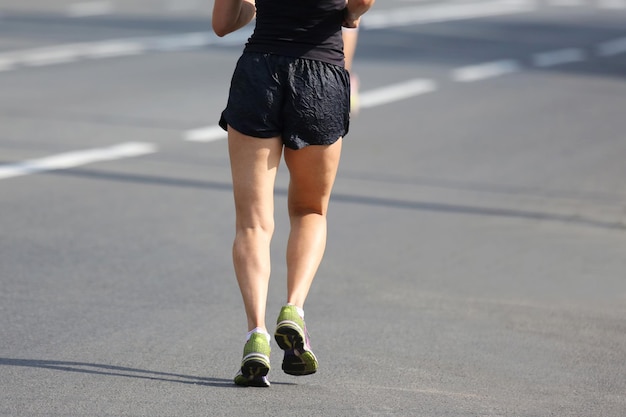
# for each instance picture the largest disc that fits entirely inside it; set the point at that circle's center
(349, 21)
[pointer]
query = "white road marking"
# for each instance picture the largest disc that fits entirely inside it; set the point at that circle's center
(205, 134)
(76, 158)
(612, 4)
(613, 47)
(396, 92)
(47, 56)
(89, 8)
(72, 52)
(443, 12)
(566, 3)
(180, 42)
(115, 48)
(483, 71)
(558, 57)
(7, 63)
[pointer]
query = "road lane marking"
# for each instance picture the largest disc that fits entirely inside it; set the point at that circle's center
(396, 92)
(443, 12)
(205, 134)
(89, 8)
(180, 42)
(76, 158)
(114, 48)
(613, 47)
(486, 70)
(612, 4)
(47, 56)
(558, 57)
(71, 52)
(7, 63)
(566, 3)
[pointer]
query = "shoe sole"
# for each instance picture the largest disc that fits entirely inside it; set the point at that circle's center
(297, 360)
(254, 369)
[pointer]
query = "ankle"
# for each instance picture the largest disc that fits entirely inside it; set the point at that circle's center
(259, 330)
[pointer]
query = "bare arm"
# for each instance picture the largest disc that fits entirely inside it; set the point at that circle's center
(230, 15)
(354, 10)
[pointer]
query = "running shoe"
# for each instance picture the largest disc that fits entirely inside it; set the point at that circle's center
(255, 364)
(292, 337)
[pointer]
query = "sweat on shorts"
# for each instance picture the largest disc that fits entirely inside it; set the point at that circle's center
(304, 101)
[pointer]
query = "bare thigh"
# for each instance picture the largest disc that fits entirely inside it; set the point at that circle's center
(254, 163)
(312, 173)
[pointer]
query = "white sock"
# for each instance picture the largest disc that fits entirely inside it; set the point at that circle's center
(258, 330)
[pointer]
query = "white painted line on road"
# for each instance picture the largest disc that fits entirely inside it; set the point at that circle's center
(71, 52)
(558, 57)
(48, 56)
(396, 92)
(180, 42)
(90, 8)
(483, 71)
(205, 134)
(7, 63)
(115, 48)
(377, 19)
(611, 48)
(76, 158)
(566, 3)
(612, 4)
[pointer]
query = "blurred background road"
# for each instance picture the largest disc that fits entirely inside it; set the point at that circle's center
(477, 247)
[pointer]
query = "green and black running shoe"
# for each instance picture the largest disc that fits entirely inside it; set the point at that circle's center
(292, 337)
(255, 364)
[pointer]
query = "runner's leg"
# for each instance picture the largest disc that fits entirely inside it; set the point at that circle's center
(312, 174)
(254, 163)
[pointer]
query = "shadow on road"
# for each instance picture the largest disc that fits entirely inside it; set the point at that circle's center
(120, 371)
(430, 206)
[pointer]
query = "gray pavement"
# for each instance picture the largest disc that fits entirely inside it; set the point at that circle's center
(477, 243)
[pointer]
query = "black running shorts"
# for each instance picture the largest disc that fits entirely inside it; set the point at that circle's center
(304, 101)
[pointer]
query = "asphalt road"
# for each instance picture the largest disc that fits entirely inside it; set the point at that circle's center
(477, 246)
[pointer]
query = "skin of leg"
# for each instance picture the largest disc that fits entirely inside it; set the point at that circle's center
(312, 173)
(350, 38)
(254, 164)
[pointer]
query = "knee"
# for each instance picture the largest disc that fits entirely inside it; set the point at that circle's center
(253, 220)
(302, 210)
(255, 230)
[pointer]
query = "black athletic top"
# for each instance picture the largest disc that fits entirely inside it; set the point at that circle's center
(299, 28)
